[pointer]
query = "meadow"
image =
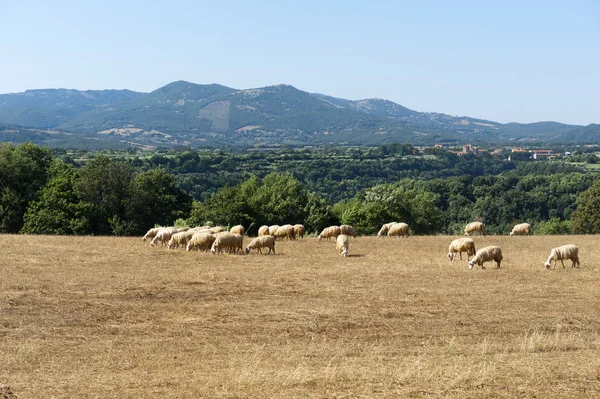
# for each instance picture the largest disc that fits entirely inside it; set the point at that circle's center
(109, 317)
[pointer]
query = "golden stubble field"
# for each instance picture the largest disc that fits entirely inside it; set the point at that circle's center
(101, 317)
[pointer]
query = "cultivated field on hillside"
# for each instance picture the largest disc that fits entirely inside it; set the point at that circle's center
(104, 317)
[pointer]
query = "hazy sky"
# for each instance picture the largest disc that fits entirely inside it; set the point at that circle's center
(503, 60)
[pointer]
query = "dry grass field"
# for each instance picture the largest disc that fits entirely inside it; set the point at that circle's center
(89, 317)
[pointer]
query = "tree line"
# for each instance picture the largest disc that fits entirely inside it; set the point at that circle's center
(434, 191)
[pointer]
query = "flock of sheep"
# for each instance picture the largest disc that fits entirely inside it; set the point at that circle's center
(217, 240)
(494, 253)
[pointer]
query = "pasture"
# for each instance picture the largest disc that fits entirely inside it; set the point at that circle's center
(105, 317)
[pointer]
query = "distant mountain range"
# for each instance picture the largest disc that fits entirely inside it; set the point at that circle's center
(188, 114)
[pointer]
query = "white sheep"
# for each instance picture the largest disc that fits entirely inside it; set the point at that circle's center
(399, 229)
(163, 236)
(217, 229)
(385, 228)
(491, 253)
(475, 227)
(239, 229)
(200, 241)
(521, 229)
(461, 245)
(225, 241)
(285, 231)
(273, 229)
(329, 232)
(262, 242)
(263, 231)
(299, 230)
(569, 251)
(151, 233)
(342, 244)
(182, 229)
(180, 239)
(347, 230)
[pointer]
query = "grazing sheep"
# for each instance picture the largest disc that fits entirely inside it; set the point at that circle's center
(225, 241)
(285, 231)
(461, 245)
(385, 228)
(475, 227)
(200, 241)
(299, 230)
(239, 229)
(347, 230)
(569, 251)
(217, 229)
(237, 245)
(151, 233)
(163, 236)
(485, 255)
(329, 232)
(263, 231)
(521, 229)
(180, 239)
(262, 242)
(273, 229)
(182, 229)
(342, 243)
(399, 229)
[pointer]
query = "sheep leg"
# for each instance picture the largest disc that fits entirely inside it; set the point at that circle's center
(563, 263)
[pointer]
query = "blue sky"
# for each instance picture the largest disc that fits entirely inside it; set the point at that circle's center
(507, 61)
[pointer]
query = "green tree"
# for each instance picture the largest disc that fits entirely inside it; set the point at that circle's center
(586, 218)
(23, 172)
(103, 184)
(153, 198)
(58, 210)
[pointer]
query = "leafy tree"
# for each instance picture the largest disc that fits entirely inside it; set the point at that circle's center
(386, 202)
(586, 219)
(23, 172)
(104, 185)
(153, 198)
(554, 226)
(58, 210)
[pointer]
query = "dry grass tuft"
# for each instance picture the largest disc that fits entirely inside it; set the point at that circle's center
(93, 317)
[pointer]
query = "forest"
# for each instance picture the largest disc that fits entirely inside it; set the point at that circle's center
(57, 191)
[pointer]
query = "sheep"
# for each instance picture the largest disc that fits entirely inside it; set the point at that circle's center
(329, 232)
(342, 243)
(223, 241)
(262, 242)
(569, 251)
(200, 241)
(475, 227)
(521, 229)
(182, 229)
(399, 229)
(487, 254)
(385, 228)
(299, 230)
(263, 231)
(273, 229)
(180, 239)
(151, 233)
(239, 229)
(217, 229)
(347, 230)
(285, 231)
(461, 245)
(164, 235)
